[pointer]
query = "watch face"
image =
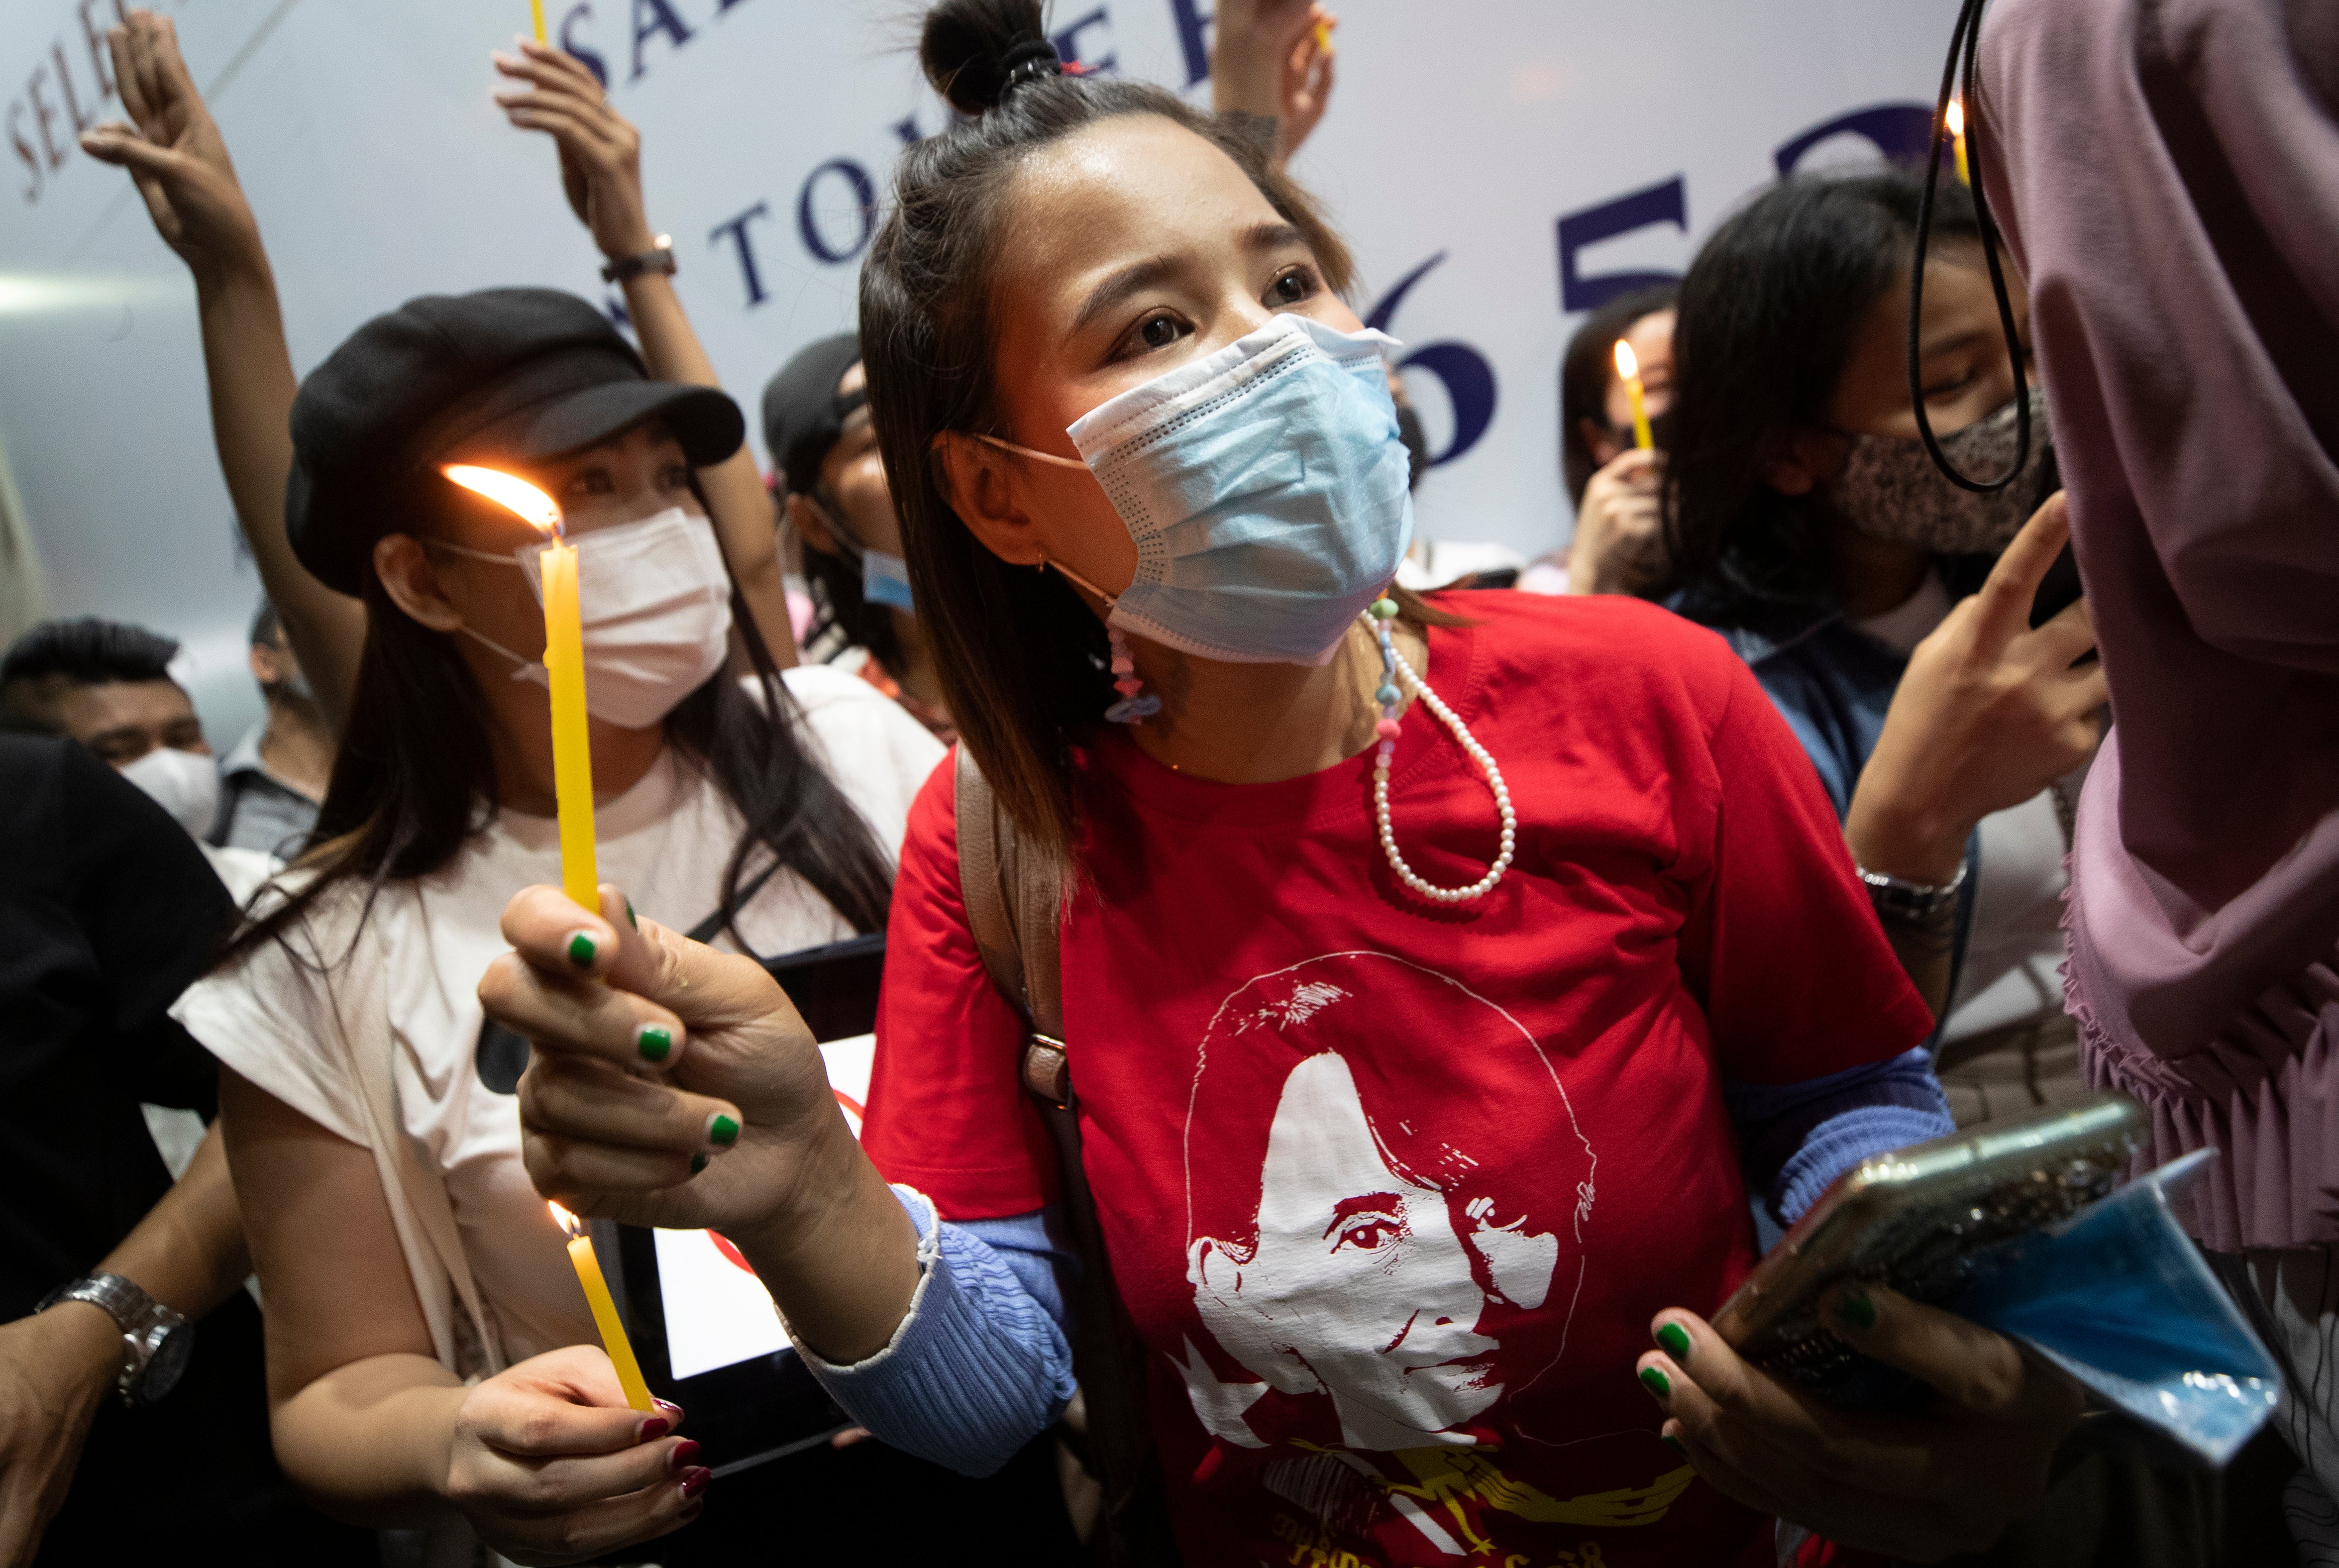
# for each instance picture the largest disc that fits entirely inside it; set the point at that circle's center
(167, 1358)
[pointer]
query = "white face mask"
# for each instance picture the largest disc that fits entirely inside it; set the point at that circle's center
(656, 604)
(184, 783)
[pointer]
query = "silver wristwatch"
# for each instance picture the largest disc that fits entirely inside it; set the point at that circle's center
(1911, 903)
(155, 1340)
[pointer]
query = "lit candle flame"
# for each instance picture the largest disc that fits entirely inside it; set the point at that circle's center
(1628, 364)
(1956, 118)
(510, 492)
(569, 1223)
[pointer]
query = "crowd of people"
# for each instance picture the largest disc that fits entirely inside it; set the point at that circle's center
(1353, 1005)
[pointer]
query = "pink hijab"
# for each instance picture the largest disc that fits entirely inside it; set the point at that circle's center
(2168, 172)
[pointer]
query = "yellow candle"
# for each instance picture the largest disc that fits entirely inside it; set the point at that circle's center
(1628, 367)
(605, 1311)
(536, 11)
(564, 664)
(572, 755)
(1957, 123)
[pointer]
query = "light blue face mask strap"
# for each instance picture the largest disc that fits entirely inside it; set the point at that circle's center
(1028, 452)
(1111, 601)
(850, 546)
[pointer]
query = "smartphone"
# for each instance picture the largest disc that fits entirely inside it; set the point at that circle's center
(1920, 1221)
(2060, 588)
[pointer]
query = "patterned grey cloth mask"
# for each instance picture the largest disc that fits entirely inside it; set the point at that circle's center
(1890, 490)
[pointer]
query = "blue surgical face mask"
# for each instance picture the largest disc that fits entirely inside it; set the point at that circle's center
(1264, 488)
(886, 579)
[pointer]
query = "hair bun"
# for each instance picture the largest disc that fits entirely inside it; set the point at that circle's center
(969, 47)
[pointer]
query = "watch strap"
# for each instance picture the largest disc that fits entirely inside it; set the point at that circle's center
(138, 1316)
(658, 258)
(1911, 903)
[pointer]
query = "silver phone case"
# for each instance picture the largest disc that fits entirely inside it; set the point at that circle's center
(1915, 1219)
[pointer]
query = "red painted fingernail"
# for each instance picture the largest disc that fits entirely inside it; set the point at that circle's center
(669, 1406)
(684, 1453)
(695, 1480)
(650, 1431)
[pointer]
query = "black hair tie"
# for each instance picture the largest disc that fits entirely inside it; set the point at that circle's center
(1028, 62)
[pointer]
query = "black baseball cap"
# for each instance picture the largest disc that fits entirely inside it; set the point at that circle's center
(518, 374)
(803, 415)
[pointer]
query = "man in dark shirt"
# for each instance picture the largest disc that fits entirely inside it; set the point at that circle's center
(107, 909)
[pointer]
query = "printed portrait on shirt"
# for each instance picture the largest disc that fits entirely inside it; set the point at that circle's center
(1385, 1192)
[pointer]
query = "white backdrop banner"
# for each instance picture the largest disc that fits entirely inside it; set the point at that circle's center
(1500, 166)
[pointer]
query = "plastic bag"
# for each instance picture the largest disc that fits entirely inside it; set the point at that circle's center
(2118, 1297)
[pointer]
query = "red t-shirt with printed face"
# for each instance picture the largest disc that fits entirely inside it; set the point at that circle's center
(1392, 1188)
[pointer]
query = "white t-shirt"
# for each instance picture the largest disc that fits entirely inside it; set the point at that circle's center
(2014, 955)
(666, 842)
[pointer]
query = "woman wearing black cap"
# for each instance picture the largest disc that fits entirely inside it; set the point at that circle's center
(399, 1246)
(826, 463)
(1423, 980)
(397, 1238)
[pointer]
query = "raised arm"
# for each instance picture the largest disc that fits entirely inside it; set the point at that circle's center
(1271, 69)
(179, 162)
(1990, 712)
(600, 169)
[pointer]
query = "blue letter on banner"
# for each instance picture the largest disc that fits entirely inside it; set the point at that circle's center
(737, 229)
(864, 195)
(1665, 203)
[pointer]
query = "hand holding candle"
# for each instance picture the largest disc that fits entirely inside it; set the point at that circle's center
(564, 664)
(604, 1310)
(1628, 367)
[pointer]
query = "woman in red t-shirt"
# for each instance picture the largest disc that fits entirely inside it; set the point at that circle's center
(1431, 971)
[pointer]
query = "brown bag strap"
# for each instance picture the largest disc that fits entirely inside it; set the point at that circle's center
(1015, 908)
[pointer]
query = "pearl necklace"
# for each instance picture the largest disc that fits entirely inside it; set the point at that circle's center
(1394, 669)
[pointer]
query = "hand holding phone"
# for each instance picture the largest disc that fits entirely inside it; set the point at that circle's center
(1912, 1487)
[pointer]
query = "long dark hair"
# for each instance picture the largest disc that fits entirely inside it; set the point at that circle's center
(1585, 371)
(415, 775)
(1023, 662)
(1767, 318)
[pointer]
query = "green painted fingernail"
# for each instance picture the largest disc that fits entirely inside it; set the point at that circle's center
(1857, 1311)
(653, 1042)
(697, 1163)
(1655, 1380)
(723, 1130)
(582, 950)
(1675, 1338)
(1675, 1444)
(631, 918)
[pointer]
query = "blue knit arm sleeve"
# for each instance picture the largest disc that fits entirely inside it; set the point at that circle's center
(1796, 1138)
(980, 1364)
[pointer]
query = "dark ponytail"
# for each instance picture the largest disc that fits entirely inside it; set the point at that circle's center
(966, 47)
(1023, 664)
